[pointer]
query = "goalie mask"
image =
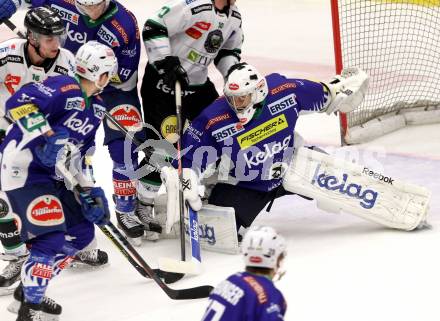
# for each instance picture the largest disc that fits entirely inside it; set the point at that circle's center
(94, 59)
(262, 247)
(92, 8)
(244, 88)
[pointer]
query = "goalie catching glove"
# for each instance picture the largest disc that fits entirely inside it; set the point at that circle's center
(347, 90)
(192, 192)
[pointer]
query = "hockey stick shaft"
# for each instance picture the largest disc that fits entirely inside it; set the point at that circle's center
(178, 96)
(13, 28)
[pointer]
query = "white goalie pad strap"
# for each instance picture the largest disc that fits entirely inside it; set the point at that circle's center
(355, 189)
(170, 186)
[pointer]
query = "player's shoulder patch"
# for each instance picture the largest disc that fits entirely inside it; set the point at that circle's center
(201, 8)
(236, 14)
(256, 286)
(61, 70)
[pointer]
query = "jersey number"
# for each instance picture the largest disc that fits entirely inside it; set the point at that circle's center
(214, 311)
(11, 81)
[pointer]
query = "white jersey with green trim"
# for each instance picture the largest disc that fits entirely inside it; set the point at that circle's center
(196, 32)
(16, 70)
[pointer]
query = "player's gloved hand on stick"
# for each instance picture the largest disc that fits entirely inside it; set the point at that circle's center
(171, 70)
(347, 90)
(94, 206)
(48, 152)
(8, 8)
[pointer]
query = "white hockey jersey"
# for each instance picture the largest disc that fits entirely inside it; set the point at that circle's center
(196, 33)
(17, 70)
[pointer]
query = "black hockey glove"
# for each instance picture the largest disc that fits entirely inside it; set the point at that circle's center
(171, 70)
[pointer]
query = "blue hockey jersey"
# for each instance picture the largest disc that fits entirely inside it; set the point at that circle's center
(37, 108)
(246, 297)
(117, 28)
(258, 152)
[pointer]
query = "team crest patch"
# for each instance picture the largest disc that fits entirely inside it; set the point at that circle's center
(214, 41)
(128, 116)
(4, 208)
(45, 210)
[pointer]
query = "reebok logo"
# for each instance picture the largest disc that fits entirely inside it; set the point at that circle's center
(378, 176)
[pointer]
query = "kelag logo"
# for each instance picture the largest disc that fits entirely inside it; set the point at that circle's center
(206, 233)
(367, 197)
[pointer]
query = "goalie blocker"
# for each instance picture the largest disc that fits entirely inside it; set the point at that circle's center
(337, 185)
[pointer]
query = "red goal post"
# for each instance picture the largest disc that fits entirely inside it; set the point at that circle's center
(397, 42)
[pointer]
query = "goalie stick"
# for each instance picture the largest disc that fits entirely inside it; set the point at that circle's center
(122, 243)
(195, 265)
(167, 264)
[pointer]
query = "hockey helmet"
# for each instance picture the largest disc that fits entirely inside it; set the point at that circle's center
(94, 59)
(44, 21)
(244, 88)
(262, 247)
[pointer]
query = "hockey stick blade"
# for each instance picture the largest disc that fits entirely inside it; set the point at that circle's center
(199, 292)
(168, 277)
(180, 294)
(175, 266)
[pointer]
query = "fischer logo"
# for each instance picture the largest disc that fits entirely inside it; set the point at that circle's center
(108, 37)
(282, 104)
(78, 125)
(45, 210)
(378, 176)
(227, 131)
(268, 152)
(367, 197)
(66, 14)
(78, 37)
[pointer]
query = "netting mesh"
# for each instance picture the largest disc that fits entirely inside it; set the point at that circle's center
(398, 44)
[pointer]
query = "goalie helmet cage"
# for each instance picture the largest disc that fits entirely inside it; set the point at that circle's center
(397, 42)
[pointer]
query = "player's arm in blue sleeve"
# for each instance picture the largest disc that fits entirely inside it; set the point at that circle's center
(128, 54)
(199, 147)
(29, 107)
(311, 96)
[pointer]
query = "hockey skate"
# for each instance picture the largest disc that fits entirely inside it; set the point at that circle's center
(10, 276)
(49, 310)
(145, 213)
(90, 258)
(30, 312)
(131, 226)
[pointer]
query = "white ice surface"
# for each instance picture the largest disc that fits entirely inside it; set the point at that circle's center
(340, 268)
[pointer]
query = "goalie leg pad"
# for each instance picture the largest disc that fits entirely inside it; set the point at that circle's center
(352, 188)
